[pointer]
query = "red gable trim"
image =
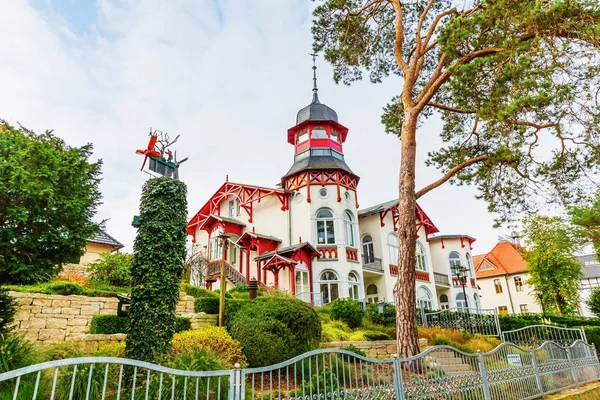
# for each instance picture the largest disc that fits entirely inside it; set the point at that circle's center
(247, 194)
(278, 262)
(228, 227)
(422, 219)
(261, 245)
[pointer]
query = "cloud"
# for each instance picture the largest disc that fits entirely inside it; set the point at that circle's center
(229, 76)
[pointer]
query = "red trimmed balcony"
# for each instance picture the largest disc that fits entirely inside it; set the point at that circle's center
(351, 254)
(328, 253)
(422, 276)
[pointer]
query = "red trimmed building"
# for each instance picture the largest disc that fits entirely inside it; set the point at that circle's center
(309, 238)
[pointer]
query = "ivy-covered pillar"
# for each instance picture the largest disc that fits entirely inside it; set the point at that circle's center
(157, 268)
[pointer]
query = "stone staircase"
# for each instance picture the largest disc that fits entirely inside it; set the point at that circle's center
(448, 361)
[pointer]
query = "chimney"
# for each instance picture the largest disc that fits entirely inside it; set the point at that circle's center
(515, 239)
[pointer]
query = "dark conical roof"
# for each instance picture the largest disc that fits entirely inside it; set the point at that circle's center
(318, 163)
(316, 111)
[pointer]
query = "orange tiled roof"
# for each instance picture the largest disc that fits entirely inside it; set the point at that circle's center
(505, 258)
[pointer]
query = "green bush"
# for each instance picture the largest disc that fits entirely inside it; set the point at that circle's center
(65, 289)
(8, 308)
(232, 307)
(16, 352)
(112, 269)
(157, 268)
(376, 335)
(388, 318)
(227, 294)
(109, 324)
(209, 305)
(196, 291)
(348, 311)
(275, 328)
(592, 333)
(355, 350)
(213, 339)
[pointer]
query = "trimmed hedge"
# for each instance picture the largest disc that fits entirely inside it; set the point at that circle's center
(196, 291)
(209, 305)
(110, 324)
(388, 318)
(347, 311)
(510, 322)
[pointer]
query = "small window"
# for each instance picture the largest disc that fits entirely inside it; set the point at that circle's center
(325, 230)
(444, 305)
(329, 286)
(353, 286)
(347, 196)
(349, 229)
(302, 136)
(231, 208)
(319, 132)
(238, 207)
(323, 193)
(518, 284)
(470, 265)
(524, 308)
(498, 286)
(503, 310)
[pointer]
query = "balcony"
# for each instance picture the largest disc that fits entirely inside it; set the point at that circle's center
(371, 263)
(441, 279)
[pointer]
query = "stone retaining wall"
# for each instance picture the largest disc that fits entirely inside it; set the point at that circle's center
(53, 318)
(375, 349)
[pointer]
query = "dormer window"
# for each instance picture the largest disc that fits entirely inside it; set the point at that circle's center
(318, 132)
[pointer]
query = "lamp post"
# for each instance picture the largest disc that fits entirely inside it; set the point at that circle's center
(461, 275)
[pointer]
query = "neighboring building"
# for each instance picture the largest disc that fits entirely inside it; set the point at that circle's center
(102, 242)
(590, 267)
(502, 276)
(308, 236)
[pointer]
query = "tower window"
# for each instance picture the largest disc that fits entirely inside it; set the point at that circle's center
(325, 230)
(454, 261)
(349, 229)
(421, 258)
(334, 135)
(329, 286)
(318, 132)
(302, 136)
(231, 208)
(347, 196)
(323, 193)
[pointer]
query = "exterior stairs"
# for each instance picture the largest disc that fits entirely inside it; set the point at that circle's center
(448, 361)
(213, 272)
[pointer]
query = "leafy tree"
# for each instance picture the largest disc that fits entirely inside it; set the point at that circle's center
(550, 255)
(8, 309)
(506, 76)
(586, 217)
(593, 302)
(112, 269)
(157, 268)
(48, 196)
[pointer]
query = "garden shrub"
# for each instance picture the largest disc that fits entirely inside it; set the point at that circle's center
(110, 324)
(213, 339)
(112, 349)
(16, 352)
(209, 305)
(232, 306)
(112, 269)
(388, 318)
(272, 329)
(592, 333)
(65, 289)
(157, 268)
(355, 350)
(227, 294)
(348, 311)
(8, 308)
(196, 291)
(335, 331)
(376, 335)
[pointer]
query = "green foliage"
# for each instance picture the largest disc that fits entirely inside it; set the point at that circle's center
(214, 339)
(593, 302)
(355, 350)
(272, 329)
(388, 318)
(49, 192)
(552, 264)
(8, 308)
(232, 307)
(65, 288)
(209, 305)
(16, 352)
(112, 269)
(511, 322)
(348, 311)
(108, 324)
(335, 331)
(93, 289)
(592, 333)
(376, 335)
(157, 268)
(196, 291)
(586, 218)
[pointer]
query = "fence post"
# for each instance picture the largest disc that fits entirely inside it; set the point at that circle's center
(484, 378)
(236, 383)
(497, 320)
(397, 370)
(538, 380)
(583, 334)
(572, 364)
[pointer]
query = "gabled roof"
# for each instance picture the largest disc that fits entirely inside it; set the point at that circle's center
(377, 208)
(260, 236)
(212, 217)
(505, 259)
(104, 238)
(422, 219)
(287, 250)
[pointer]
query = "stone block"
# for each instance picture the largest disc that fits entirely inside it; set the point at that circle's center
(180, 307)
(61, 303)
(42, 302)
(51, 310)
(54, 335)
(78, 322)
(105, 311)
(70, 311)
(24, 301)
(56, 323)
(90, 310)
(33, 323)
(77, 330)
(32, 336)
(76, 304)
(22, 315)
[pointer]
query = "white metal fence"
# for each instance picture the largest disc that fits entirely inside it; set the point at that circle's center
(535, 335)
(440, 372)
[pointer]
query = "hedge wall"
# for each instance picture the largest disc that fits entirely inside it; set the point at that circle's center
(109, 324)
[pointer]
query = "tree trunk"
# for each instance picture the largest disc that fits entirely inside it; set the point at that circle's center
(404, 291)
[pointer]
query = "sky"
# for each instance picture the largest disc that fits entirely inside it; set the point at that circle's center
(228, 76)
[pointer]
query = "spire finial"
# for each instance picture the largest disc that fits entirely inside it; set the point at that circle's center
(314, 68)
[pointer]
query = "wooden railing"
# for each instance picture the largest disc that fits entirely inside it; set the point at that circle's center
(233, 275)
(351, 254)
(328, 253)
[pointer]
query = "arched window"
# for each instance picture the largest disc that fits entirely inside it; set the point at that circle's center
(476, 301)
(470, 266)
(329, 286)
(353, 286)
(421, 258)
(349, 229)
(368, 253)
(334, 135)
(444, 304)
(424, 298)
(454, 261)
(318, 132)
(325, 230)
(461, 302)
(302, 283)
(518, 284)
(302, 136)
(372, 294)
(216, 249)
(393, 248)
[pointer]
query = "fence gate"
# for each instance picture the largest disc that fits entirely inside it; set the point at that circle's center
(474, 320)
(536, 335)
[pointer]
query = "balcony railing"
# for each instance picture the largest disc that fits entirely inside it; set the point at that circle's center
(371, 263)
(441, 279)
